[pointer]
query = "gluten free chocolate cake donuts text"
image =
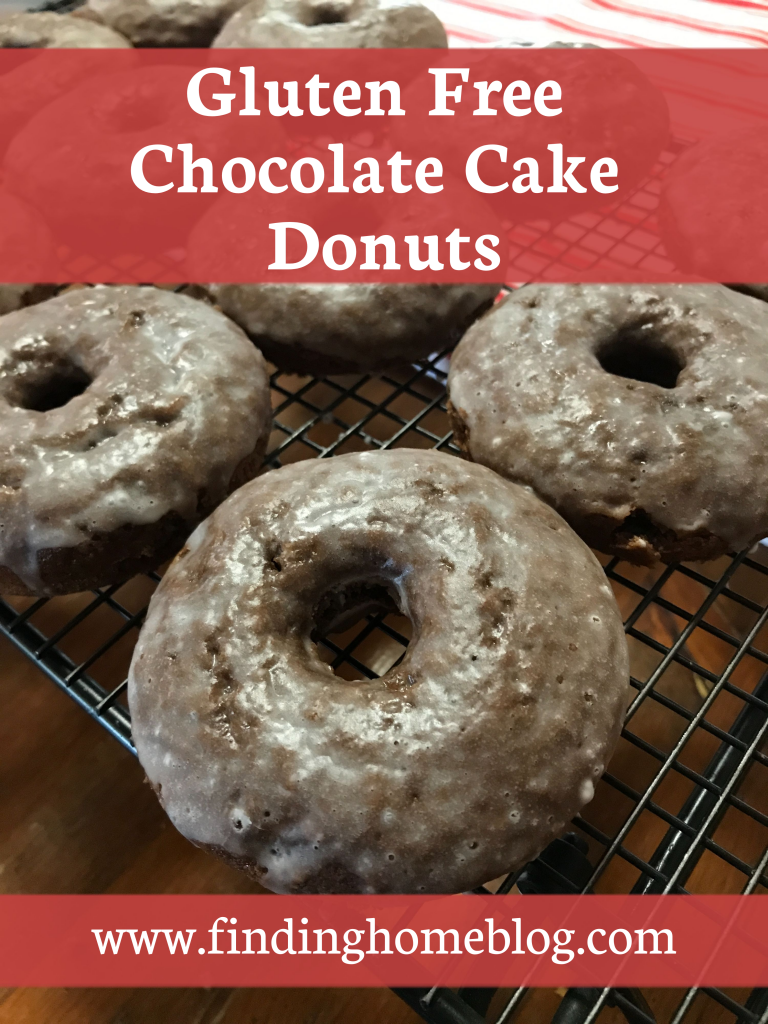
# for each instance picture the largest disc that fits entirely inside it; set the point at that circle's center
(395, 164)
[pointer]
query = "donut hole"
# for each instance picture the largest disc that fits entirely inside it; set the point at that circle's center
(53, 386)
(359, 629)
(635, 354)
(329, 12)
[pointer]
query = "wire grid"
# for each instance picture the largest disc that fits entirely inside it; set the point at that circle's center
(683, 806)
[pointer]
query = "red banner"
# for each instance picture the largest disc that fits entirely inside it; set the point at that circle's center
(370, 941)
(375, 165)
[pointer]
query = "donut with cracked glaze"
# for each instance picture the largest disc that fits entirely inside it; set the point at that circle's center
(348, 24)
(637, 411)
(458, 764)
(126, 415)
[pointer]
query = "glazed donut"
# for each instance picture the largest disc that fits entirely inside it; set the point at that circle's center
(126, 415)
(164, 22)
(328, 328)
(339, 24)
(460, 763)
(637, 411)
(322, 329)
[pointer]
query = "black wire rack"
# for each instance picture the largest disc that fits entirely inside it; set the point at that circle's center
(683, 805)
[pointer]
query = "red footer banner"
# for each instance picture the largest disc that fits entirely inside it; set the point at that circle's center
(372, 941)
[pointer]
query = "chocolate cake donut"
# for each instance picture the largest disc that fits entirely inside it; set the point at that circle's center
(459, 763)
(639, 412)
(338, 24)
(322, 329)
(163, 22)
(126, 415)
(327, 328)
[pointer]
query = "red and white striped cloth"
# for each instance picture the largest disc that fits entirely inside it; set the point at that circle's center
(700, 23)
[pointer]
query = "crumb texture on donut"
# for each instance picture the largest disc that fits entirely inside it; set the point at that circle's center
(333, 24)
(459, 763)
(126, 416)
(640, 412)
(347, 328)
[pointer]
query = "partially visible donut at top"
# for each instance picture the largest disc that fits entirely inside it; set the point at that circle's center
(47, 30)
(163, 22)
(322, 329)
(462, 761)
(556, 44)
(333, 24)
(29, 86)
(127, 414)
(640, 412)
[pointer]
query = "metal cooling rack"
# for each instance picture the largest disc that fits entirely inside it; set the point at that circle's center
(683, 806)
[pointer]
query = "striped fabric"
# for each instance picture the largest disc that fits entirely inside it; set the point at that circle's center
(701, 23)
(610, 22)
